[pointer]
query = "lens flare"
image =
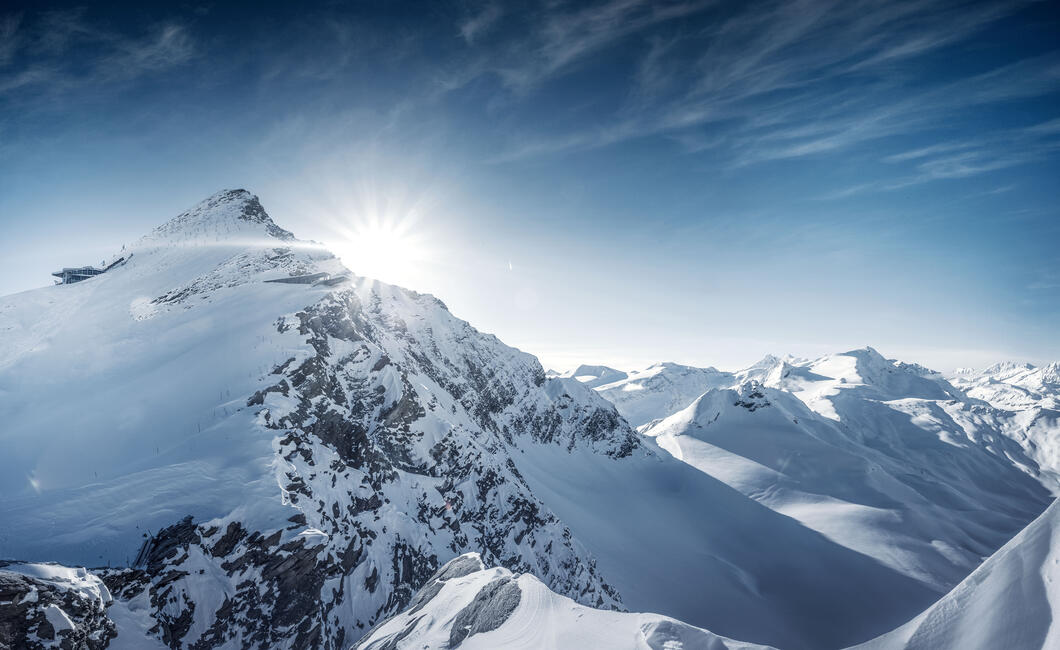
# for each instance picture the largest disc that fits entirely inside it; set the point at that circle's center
(384, 250)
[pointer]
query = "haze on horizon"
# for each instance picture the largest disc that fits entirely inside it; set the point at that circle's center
(617, 182)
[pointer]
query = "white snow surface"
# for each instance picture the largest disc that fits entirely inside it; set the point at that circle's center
(543, 620)
(124, 395)
(1012, 601)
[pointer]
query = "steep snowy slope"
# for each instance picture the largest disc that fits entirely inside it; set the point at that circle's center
(296, 453)
(1012, 601)
(468, 606)
(887, 459)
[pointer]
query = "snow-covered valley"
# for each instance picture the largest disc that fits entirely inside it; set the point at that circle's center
(250, 446)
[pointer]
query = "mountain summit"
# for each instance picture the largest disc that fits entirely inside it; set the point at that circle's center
(227, 214)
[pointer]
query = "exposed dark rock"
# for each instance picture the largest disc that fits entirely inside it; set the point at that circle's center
(29, 605)
(492, 606)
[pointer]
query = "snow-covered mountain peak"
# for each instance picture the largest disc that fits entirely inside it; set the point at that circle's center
(1007, 368)
(1051, 374)
(660, 389)
(593, 376)
(225, 216)
(767, 361)
(870, 373)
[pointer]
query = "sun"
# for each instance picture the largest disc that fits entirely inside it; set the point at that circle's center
(390, 251)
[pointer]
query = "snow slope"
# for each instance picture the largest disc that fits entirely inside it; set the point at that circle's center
(469, 606)
(674, 540)
(1011, 601)
(124, 396)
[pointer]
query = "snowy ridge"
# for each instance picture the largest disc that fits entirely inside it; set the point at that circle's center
(1013, 386)
(770, 446)
(1011, 601)
(466, 605)
(1030, 398)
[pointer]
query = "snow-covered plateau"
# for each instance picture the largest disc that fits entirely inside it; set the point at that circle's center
(250, 446)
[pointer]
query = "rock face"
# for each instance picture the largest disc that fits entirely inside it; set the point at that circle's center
(394, 456)
(49, 606)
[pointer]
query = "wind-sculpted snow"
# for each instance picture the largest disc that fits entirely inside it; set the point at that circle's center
(1012, 601)
(464, 605)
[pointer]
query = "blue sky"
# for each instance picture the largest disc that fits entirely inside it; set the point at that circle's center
(618, 182)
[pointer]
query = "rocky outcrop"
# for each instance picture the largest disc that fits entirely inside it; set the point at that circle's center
(48, 606)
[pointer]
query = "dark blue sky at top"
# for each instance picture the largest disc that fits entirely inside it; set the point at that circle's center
(678, 180)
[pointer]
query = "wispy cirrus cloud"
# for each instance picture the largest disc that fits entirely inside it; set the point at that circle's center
(53, 52)
(954, 159)
(9, 37)
(480, 22)
(554, 37)
(782, 80)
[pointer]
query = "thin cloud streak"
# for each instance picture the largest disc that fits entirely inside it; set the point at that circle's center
(52, 48)
(772, 77)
